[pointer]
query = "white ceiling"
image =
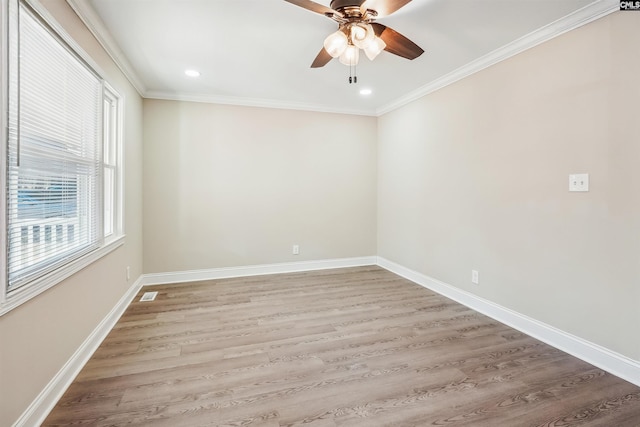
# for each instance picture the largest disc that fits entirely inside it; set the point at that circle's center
(258, 52)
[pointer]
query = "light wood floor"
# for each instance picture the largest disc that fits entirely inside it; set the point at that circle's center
(348, 347)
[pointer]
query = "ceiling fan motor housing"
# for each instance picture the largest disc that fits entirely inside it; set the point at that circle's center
(339, 4)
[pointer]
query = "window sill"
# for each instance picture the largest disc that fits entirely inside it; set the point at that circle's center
(41, 284)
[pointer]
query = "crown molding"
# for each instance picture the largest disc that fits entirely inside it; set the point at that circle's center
(589, 13)
(255, 102)
(92, 21)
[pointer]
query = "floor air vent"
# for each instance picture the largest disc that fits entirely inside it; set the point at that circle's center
(149, 296)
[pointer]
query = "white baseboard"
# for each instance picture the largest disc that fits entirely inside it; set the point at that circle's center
(612, 362)
(601, 357)
(254, 270)
(36, 413)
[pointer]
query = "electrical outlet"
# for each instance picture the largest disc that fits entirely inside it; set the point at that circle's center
(296, 249)
(128, 273)
(474, 277)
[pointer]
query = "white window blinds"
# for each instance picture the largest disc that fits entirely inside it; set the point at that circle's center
(54, 169)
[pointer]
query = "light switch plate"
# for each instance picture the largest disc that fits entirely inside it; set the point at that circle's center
(579, 182)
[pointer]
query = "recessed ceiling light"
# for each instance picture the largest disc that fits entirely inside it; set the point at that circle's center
(192, 73)
(366, 92)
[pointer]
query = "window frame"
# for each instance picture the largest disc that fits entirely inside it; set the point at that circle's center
(12, 299)
(117, 165)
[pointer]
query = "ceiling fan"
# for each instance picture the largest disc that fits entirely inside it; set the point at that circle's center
(357, 30)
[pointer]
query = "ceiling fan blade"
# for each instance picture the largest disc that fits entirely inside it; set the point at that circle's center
(396, 42)
(322, 59)
(313, 6)
(384, 7)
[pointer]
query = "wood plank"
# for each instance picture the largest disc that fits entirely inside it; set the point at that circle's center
(345, 347)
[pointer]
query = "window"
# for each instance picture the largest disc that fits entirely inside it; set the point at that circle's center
(62, 159)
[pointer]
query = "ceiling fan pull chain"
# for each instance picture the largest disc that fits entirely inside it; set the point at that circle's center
(350, 73)
(353, 78)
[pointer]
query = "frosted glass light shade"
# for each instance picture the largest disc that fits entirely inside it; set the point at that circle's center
(374, 48)
(362, 35)
(350, 56)
(336, 43)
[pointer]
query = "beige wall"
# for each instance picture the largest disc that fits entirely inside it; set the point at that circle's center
(234, 186)
(39, 337)
(475, 176)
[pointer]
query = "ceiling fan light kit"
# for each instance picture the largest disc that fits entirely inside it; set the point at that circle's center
(362, 35)
(374, 49)
(346, 48)
(357, 31)
(336, 43)
(350, 56)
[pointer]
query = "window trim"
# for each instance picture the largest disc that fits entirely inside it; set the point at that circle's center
(17, 297)
(118, 226)
(4, 85)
